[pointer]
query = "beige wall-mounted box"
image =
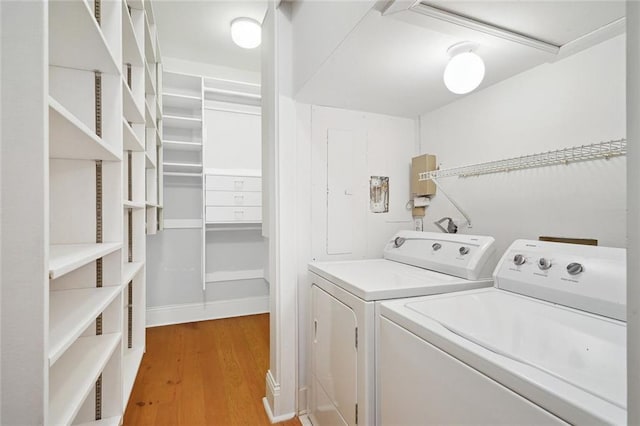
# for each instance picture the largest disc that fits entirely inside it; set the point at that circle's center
(420, 164)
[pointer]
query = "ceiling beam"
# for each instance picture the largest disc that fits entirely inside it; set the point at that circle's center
(485, 28)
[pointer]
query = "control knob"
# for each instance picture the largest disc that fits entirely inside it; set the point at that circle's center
(398, 241)
(519, 259)
(574, 268)
(544, 264)
(464, 250)
(436, 246)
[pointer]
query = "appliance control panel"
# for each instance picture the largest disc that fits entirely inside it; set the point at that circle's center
(588, 278)
(465, 256)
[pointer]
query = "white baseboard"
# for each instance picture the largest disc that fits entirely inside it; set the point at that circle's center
(177, 314)
(275, 419)
(304, 420)
(270, 401)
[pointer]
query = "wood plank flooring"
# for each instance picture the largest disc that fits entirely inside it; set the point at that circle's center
(203, 373)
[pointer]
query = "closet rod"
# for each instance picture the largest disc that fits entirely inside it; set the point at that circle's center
(594, 151)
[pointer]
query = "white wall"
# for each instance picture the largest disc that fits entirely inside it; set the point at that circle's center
(209, 70)
(382, 146)
(576, 101)
(319, 28)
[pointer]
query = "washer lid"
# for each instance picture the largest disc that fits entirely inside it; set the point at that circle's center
(379, 279)
(568, 359)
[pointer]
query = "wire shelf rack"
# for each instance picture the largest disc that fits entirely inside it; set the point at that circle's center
(594, 151)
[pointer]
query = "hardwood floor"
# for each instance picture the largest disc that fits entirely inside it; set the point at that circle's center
(203, 373)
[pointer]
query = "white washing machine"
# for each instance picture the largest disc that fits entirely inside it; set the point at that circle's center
(546, 345)
(344, 296)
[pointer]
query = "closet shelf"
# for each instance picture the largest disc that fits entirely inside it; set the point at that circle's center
(180, 122)
(182, 167)
(75, 374)
(135, 205)
(131, 52)
(70, 138)
(183, 84)
(130, 140)
(158, 139)
(171, 145)
(89, 51)
(131, 110)
(149, 119)
(71, 312)
(149, 48)
(136, 4)
(175, 100)
(594, 151)
(130, 365)
(151, 205)
(150, 87)
(178, 174)
(130, 270)
(149, 162)
(64, 258)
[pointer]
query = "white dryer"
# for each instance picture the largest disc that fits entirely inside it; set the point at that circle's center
(344, 298)
(545, 345)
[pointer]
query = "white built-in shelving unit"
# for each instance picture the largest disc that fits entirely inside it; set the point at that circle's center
(96, 190)
(201, 198)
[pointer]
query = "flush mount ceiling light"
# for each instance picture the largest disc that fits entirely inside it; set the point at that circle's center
(465, 70)
(246, 32)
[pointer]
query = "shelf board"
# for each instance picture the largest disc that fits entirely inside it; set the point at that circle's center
(132, 204)
(70, 138)
(180, 122)
(158, 139)
(64, 258)
(130, 270)
(131, 52)
(171, 145)
(149, 49)
(131, 110)
(136, 4)
(149, 83)
(130, 139)
(149, 162)
(149, 120)
(111, 421)
(130, 365)
(151, 205)
(71, 312)
(80, 45)
(74, 375)
(175, 100)
(182, 167)
(178, 174)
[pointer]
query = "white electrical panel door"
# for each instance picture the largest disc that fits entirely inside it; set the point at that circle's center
(334, 357)
(340, 191)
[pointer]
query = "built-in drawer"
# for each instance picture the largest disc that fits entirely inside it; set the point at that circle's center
(233, 183)
(233, 214)
(228, 198)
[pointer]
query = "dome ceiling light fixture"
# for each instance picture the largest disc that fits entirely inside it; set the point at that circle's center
(465, 70)
(246, 32)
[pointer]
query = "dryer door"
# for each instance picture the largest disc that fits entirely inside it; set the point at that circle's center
(334, 360)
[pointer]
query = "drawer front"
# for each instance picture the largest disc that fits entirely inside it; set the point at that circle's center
(233, 214)
(233, 183)
(228, 198)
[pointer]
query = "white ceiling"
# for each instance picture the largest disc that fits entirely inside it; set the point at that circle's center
(200, 31)
(394, 64)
